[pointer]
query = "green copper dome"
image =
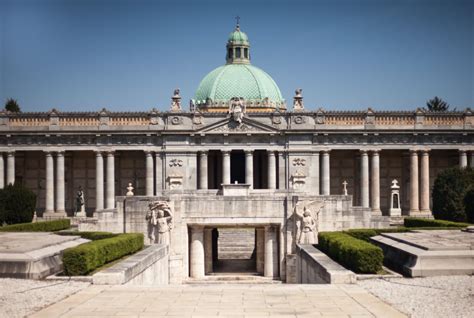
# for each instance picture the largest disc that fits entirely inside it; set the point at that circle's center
(238, 79)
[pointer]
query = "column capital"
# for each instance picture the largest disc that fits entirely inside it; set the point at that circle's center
(425, 152)
(364, 151)
(326, 151)
(198, 227)
(60, 153)
(110, 153)
(98, 153)
(10, 152)
(462, 151)
(375, 151)
(248, 152)
(203, 153)
(226, 152)
(48, 153)
(414, 152)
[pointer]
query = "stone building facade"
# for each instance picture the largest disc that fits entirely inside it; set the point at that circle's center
(238, 157)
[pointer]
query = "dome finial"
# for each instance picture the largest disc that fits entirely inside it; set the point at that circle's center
(237, 19)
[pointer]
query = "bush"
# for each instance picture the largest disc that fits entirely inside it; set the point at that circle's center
(449, 191)
(47, 226)
(353, 253)
(93, 236)
(17, 204)
(469, 205)
(420, 223)
(85, 258)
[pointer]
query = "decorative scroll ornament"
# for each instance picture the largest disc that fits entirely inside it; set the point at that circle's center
(299, 162)
(176, 163)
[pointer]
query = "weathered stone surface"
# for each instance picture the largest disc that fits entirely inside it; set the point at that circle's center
(429, 253)
(33, 255)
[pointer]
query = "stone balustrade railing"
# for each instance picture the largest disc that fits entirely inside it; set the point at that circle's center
(320, 120)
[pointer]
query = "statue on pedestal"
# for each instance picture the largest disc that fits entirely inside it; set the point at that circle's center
(80, 203)
(160, 222)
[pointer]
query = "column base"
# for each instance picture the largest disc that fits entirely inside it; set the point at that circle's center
(54, 215)
(413, 212)
(376, 212)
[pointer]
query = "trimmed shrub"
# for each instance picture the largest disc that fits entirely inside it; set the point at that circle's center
(469, 205)
(449, 191)
(85, 258)
(420, 223)
(17, 204)
(46, 226)
(93, 236)
(353, 253)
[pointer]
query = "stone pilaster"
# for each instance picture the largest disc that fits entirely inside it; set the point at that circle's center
(2, 172)
(325, 174)
(110, 184)
(375, 178)
(208, 250)
(271, 170)
(271, 254)
(10, 167)
(49, 183)
(364, 179)
(249, 167)
(149, 179)
(226, 167)
(197, 269)
(282, 170)
(414, 195)
(159, 172)
(462, 158)
(99, 181)
(60, 184)
(260, 249)
(203, 162)
(425, 182)
(315, 171)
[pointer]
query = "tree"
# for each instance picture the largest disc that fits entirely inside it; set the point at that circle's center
(12, 106)
(17, 204)
(436, 104)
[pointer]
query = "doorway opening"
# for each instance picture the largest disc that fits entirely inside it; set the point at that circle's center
(237, 166)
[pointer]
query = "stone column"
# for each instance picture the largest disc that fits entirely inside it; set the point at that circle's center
(364, 179)
(462, 158)
(271, 170)
(60, 184)
(226, 167)
(414, 206)
(158, 172)
(49, 183)
(260, 249)
(203, 183)
(271, 253)
(2, 172)
(282, 170)
(208, 250)
(375, 178)
(249, 167)
(99, 181)
(315, 171)
(10, 167)
(425, 182)
(325, 174)
(149, 174)
(110, 190)
(197, 252)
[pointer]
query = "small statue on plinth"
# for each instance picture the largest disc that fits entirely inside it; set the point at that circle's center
(80, 203)
(160, 222)
(395, 209)
(176, 101)
(130, 189)
(298, 100)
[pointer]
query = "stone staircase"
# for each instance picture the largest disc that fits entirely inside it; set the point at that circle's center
(236, 243)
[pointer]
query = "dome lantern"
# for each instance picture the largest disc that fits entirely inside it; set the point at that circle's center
(238, 47)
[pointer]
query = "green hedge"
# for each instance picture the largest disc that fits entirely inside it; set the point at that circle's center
(85, 258)
(93, 236)
(17, 204)
(46, 226)
(419, 222)
(353, 253)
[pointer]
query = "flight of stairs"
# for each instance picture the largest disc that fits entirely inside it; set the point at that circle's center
(236, 243)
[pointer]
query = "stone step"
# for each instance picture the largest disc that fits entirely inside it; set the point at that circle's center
(236, 243)
(251, 278)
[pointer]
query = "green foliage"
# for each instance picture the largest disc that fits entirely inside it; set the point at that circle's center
(436, 104)
(46, 226)
(93, 236)
(12, 106)
(85, 258)
(17, 204)
(355, 254)
(469, 205)
(449, 190)
(418, 222)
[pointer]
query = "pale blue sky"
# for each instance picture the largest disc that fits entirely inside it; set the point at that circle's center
(129, 55)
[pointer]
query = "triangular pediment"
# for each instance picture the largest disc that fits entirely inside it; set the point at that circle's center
(228, 125)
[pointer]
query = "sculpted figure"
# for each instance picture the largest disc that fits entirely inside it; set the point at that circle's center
(80, 200)
(160, 222)
(307, 223)
(237, 110)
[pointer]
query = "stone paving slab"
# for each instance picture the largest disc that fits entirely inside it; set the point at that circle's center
(436, 240)
(221, 301)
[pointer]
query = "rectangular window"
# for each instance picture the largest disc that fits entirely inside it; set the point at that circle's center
(229, 53)
(237, 52)
(246, 53)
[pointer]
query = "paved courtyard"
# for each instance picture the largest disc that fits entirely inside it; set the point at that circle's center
(222, 301)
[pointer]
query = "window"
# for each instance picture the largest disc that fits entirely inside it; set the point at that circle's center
(246, 53)
(229, 53)
(237, 53)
